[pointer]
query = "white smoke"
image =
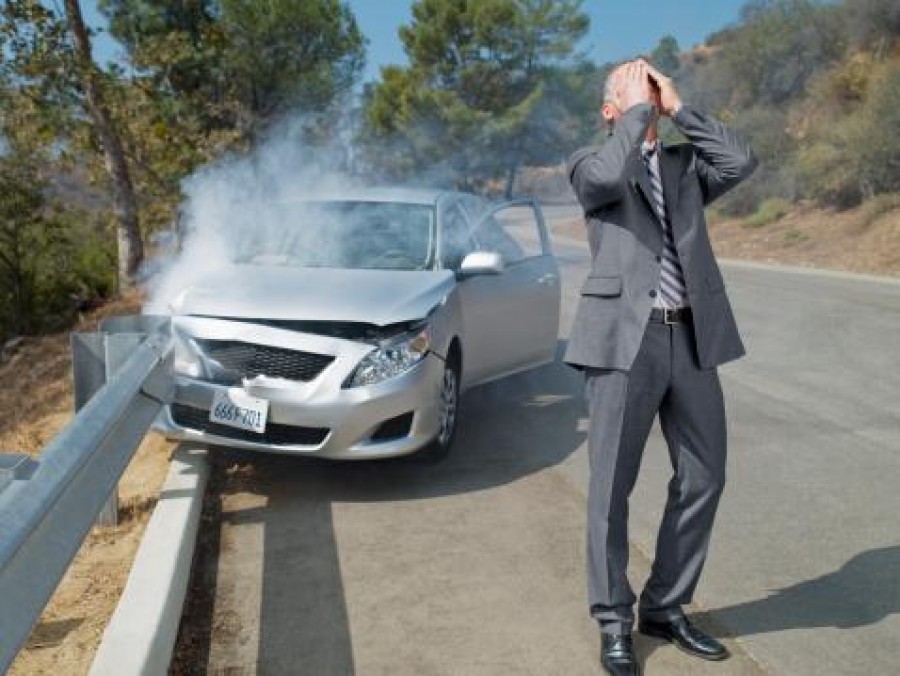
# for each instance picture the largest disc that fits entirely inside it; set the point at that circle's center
(238, 204)
(236, 200)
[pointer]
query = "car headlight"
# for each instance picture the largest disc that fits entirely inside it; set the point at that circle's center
(392, 359)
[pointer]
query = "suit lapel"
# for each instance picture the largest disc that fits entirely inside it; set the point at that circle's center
(652, 233)
(642, 178)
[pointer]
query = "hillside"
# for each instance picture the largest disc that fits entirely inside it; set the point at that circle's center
(865, 239)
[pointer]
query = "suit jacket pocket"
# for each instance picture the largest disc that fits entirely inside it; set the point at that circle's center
(595, 285)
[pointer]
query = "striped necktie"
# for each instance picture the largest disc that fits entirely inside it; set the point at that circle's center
(672, 289)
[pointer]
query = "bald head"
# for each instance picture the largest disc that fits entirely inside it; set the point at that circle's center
(612, 81)
(627, 85)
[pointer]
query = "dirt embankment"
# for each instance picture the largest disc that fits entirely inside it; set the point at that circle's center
(37, 401)
(865, 239)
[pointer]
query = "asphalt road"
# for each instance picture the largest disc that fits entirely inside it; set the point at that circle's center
(476, 565)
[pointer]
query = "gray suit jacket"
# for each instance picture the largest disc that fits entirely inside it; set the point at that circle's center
(625, 237)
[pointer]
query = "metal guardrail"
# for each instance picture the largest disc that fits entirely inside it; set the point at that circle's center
(48, 504)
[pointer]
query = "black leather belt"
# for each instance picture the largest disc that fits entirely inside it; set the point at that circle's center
(666, 316)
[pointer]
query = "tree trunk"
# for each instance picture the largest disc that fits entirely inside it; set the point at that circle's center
(511, 172)
(128, 234)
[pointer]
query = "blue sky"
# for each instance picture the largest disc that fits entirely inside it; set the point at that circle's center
(619, 28)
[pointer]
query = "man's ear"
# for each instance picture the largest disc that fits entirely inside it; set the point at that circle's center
(608, 112)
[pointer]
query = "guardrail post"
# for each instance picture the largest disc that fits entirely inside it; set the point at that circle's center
(95, 358)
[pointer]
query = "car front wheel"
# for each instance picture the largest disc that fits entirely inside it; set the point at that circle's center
(448, 413)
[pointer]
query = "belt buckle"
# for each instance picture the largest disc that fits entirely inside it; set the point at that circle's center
(670, 316)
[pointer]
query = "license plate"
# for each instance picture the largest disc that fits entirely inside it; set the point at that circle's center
(236, 408)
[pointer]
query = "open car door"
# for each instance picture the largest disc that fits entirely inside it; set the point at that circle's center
(511, 318)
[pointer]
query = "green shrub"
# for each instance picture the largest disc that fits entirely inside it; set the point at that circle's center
(856, 157)
(878, 206)
(795, 237)
(52, 262)
(769, 211)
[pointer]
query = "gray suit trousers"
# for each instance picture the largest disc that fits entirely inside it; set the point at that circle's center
(666, 378)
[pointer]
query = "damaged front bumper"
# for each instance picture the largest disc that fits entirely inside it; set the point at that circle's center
(321, 417)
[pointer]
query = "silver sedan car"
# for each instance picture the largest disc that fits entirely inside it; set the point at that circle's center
(350, 329)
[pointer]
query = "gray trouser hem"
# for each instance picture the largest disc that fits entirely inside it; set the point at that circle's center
(662, 615)
(615, 627)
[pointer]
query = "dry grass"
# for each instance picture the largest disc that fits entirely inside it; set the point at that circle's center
(865, 239)
(39, 372)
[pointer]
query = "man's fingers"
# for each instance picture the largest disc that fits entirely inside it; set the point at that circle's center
(636, 71)
(641, 70)
(644, 65)
(631, 71)
(659, 77)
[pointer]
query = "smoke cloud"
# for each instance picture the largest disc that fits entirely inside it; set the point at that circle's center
(238, 203)
(262, 207)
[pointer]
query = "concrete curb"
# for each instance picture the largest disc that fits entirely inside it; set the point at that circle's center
(141, 634)
(814, 272)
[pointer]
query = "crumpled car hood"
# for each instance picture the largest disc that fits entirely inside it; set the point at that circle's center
(379, 297)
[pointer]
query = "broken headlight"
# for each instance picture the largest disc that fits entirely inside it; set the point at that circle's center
(392, 358)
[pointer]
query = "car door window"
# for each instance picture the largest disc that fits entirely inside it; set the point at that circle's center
(513, 232)
(456, 238)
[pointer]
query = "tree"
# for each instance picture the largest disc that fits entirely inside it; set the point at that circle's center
(51, 260)
(758, 75)
(47, 62)
(128, 234)
(35, 72)
(769, 58)
(239, 63)
(209, 77)
(288, 55)
(780, 46)
(874, 23)
(580, 89)
(857, 155)
(21, 230)
(478, 89)
(665, 56)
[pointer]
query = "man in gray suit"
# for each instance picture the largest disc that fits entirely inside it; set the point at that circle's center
(652, 324)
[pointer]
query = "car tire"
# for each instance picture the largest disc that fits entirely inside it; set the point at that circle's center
(448, 404)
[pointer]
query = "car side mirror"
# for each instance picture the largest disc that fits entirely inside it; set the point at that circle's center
(481, 263)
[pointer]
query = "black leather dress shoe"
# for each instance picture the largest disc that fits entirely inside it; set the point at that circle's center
(617, 655)
(686, 637)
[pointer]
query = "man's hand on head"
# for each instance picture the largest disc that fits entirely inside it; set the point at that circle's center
(632, 87)
(669, 100)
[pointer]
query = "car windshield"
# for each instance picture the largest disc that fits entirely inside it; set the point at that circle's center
(341, 234)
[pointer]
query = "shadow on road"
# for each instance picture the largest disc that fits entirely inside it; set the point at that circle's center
(863, 591)
(508, 430)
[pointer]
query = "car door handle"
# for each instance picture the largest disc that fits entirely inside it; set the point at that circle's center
(549, 279)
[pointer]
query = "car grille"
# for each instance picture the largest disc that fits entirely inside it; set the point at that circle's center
(247, 360)
(275, 434)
